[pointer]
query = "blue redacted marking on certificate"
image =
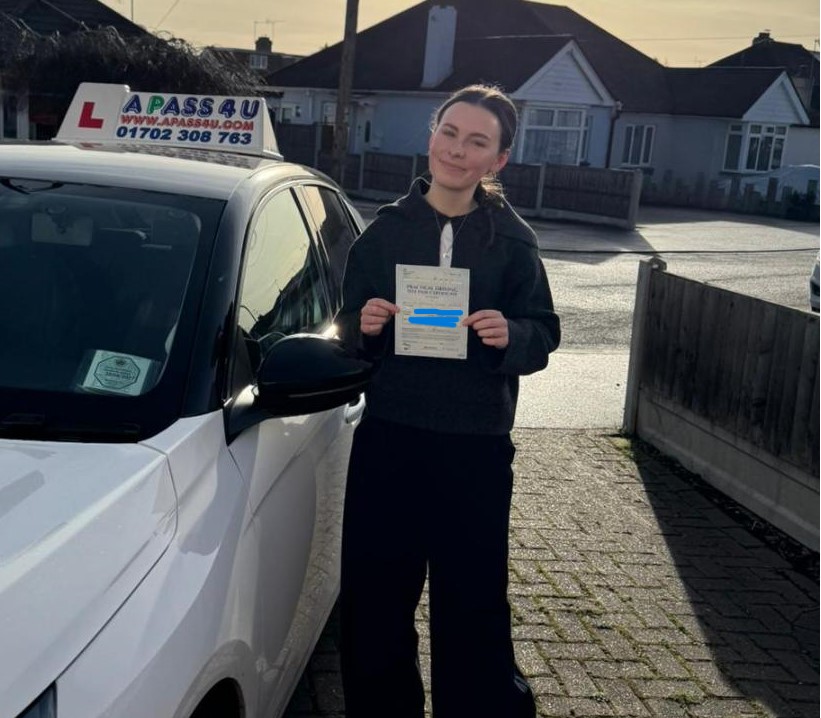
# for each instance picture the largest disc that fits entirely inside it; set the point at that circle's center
(436, 317)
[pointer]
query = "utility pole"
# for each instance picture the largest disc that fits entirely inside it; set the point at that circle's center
(343, 96)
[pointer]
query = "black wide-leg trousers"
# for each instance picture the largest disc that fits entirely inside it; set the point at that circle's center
(426, 503)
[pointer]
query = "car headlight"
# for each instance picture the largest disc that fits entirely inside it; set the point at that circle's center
(45, 706)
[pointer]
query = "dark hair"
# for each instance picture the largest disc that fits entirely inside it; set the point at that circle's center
(493, 99)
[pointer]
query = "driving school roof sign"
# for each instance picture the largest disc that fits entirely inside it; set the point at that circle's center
(103, 113)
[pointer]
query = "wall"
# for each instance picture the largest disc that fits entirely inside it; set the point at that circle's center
(400, 124)
(599, 136)
(802, 146)
(686, 146)
(697, 146)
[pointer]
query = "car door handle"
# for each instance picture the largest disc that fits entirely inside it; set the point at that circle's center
(354, 410)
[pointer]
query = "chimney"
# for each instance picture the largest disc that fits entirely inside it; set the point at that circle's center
(762, 37)
(263, 44)
(439, 43)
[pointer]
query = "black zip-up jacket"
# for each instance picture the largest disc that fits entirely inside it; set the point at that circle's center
(473, 396)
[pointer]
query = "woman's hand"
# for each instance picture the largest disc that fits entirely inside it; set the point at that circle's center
(375, 315)
(490, 325)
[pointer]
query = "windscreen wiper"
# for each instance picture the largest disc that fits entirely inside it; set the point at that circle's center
(28, 186)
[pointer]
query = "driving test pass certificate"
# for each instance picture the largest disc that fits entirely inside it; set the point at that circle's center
(432, 302)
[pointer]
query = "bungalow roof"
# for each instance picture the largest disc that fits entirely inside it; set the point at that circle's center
(390, 55)
(507, 41)
(799, 62)
(718, 91)
(766, 52)
(507, 61)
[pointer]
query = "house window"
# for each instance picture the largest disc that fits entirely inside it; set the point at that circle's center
(754, 147)
(258, 62)
(289, 111)
(638, 145)
(765, 147)
(9, 116)
(553, 136)
(328, 114)
(732, 154)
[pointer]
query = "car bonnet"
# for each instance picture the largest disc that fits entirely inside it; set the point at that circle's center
(80, 526)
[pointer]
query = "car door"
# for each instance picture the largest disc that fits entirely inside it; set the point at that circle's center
(295, 465)
(335, 227)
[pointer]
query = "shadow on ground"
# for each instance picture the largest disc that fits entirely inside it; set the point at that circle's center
(637, 590)
(751, 588)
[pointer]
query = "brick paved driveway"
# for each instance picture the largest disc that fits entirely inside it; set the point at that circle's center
(635, 594)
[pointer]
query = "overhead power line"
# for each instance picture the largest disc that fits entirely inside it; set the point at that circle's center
(692, 39)
(167, 13)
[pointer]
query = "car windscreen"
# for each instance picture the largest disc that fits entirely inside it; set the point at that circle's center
(93, 283)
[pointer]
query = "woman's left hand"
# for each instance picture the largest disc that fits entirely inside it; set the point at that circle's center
(490, 325)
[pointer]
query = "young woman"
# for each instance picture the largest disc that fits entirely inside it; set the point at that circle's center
(430, 479)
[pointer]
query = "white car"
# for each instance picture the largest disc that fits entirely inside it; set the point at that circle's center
(175, 416)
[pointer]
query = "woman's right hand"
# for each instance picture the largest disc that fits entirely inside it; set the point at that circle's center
(375, 315)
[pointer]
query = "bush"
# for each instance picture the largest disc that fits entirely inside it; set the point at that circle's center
(53, 66)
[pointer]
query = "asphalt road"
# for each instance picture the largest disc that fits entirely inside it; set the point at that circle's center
(593, 270)
(593, 273)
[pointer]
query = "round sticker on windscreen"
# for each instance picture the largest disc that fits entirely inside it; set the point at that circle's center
(117, 373)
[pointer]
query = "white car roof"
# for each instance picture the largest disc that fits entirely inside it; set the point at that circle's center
(201, 173)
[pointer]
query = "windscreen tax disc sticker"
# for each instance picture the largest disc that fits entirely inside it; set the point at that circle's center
(117, 373)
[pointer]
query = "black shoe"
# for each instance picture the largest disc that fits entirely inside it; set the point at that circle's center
(524, 703)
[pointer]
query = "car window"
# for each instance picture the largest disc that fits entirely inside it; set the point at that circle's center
(335, 229)
(283, 288)
(92, 282)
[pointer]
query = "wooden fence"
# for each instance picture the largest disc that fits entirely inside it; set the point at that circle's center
(733, 196)
(606, 196)
(728, 384)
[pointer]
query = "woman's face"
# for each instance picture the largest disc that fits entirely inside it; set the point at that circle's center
(464, 147)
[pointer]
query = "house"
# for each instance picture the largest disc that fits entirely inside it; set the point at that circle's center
(803, 69)
(262, 60)
(585, 97)
(22, 114)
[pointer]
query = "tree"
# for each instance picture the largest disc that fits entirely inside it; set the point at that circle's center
(49, 68)
(343, 97)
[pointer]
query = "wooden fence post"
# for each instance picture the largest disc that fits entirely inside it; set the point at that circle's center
(317, 143)
(540, 190)
(631, 400)
(635, 198)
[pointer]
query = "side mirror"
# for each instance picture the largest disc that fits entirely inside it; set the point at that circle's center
(306, 373)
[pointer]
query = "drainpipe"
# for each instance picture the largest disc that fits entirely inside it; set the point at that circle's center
(615, 113)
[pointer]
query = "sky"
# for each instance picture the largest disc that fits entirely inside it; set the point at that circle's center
(677, 33)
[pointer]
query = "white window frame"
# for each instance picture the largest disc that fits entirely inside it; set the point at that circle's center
(755, 137)
(554, 125)
(736, 129)
(645, 150)
(584, 150)
(289, 112)
(258, 62)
